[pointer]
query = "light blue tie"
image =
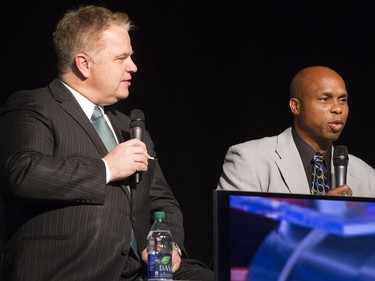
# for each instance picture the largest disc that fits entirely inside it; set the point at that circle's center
(106, 134)
(101, 126)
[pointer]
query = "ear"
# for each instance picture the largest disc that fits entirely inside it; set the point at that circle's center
(294, 105)
(82, 63)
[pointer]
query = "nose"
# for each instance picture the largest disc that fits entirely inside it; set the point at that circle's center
(336, 107)
(131, 67)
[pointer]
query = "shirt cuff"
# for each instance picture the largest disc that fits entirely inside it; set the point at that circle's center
(107, 172)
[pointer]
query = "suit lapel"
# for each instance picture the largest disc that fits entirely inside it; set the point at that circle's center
(69, 104)
(290, 164)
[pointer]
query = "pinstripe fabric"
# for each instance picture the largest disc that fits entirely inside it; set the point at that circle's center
(61, 221)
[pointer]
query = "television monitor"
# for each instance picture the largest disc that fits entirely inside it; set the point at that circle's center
(292, 237)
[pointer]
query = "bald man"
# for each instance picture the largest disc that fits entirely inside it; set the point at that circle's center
(284, 163)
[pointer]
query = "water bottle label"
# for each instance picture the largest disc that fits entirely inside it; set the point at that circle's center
(159, 266)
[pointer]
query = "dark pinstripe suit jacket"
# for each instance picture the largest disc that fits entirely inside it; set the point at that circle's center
(61, 221)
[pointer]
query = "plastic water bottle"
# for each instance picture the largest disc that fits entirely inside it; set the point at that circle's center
(159, 250)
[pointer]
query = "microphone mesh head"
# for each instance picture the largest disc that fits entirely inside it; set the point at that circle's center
(137, 114)
(137, 119)
(340, 156)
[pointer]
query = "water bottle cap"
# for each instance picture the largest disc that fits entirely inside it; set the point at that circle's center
(159, 215)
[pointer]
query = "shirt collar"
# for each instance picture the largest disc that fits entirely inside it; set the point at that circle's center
(307, 153)
(86, 105)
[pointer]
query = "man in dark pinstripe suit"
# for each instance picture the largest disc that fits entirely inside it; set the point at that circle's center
(69, 204)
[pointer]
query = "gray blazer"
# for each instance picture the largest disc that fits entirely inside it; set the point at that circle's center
(62, 222)
(273, 164)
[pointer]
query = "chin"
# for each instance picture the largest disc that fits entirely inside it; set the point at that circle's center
(334, 137)
(121, 97)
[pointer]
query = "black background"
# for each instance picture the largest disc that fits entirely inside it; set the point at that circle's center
(212, 74)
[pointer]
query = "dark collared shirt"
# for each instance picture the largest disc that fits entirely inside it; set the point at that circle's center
(307, 154)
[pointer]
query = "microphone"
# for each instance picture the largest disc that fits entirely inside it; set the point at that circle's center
(137, 126)
(340, 163)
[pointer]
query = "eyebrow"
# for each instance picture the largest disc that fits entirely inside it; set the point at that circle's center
(124, 55)
(331, 94)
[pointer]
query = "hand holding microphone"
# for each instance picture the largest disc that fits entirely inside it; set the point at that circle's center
(130, 157)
